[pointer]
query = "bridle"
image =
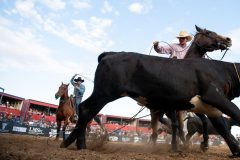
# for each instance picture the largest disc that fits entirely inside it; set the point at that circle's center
(219, 44)
(66, 97)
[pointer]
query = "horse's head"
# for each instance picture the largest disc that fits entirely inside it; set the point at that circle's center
(62, 90)
(210, 41)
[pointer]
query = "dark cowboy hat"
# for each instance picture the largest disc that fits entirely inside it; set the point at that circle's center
(79, 79)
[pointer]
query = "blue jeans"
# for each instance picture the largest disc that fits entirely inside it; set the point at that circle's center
(78, 100)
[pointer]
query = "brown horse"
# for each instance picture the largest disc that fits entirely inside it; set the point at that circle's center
(204, 41)
(65, 111)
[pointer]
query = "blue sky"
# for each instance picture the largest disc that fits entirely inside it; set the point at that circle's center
(45, 42)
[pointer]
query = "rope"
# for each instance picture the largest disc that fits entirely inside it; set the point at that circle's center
(171, 47)
(236, 72)
(151, 50)
(130, 119)
(174, 49)
(89, 79)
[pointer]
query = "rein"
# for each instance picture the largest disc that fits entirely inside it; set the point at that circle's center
(222, 55)
(236, 72)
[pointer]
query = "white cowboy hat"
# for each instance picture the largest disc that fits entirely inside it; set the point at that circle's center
(185, 34)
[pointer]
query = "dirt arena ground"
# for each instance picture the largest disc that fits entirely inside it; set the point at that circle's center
(22, 147)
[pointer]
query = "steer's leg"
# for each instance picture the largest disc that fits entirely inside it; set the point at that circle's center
(88, 110)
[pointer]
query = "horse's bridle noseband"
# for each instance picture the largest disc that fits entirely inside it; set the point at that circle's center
(217, 46)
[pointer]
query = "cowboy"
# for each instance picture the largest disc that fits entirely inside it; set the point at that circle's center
(176, 50)
(78, 92)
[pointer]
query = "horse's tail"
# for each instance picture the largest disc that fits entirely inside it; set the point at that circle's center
(104, 54)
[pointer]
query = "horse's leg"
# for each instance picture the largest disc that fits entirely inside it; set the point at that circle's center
(58, 129)
(204, 145)
(180, 126)
(87, 110)
(189, 135)
(66, 122)
(221, 126)
(219, 101)
(154, 125)
(172, 115)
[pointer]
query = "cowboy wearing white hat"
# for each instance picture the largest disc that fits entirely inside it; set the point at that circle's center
(184, 34)
(176, 50)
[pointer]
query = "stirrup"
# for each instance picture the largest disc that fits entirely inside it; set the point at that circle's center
(75, 117)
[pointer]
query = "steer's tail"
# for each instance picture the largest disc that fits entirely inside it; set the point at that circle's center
(104, 54)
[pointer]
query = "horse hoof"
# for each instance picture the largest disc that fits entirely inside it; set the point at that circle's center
(204, 147)
(176, 151)
(235, 155)
(81, 147)
(62, 145)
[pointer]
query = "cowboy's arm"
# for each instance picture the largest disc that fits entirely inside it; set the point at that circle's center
(72, 80)
(162, 49)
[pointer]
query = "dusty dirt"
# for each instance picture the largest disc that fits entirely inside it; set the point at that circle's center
(22, 147)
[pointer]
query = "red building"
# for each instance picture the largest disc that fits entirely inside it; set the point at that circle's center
(33, 110)
(113, 122)
(10, 104)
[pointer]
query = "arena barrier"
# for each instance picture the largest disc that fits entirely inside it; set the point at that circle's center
(17, 128)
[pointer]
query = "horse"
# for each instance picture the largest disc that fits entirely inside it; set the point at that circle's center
(65, 111)
(204, 41)
(194, 125)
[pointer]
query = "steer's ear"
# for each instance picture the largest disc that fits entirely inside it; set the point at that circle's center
(198, 28)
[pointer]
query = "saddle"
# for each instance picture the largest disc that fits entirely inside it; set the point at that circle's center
(72, 101)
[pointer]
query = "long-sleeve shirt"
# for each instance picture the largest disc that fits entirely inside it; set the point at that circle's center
(174, 49)
(78, 90)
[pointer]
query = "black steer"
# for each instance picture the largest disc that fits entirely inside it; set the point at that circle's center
(199, 85)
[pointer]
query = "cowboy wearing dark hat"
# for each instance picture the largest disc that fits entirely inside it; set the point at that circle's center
(79, 79)
(78, 92)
